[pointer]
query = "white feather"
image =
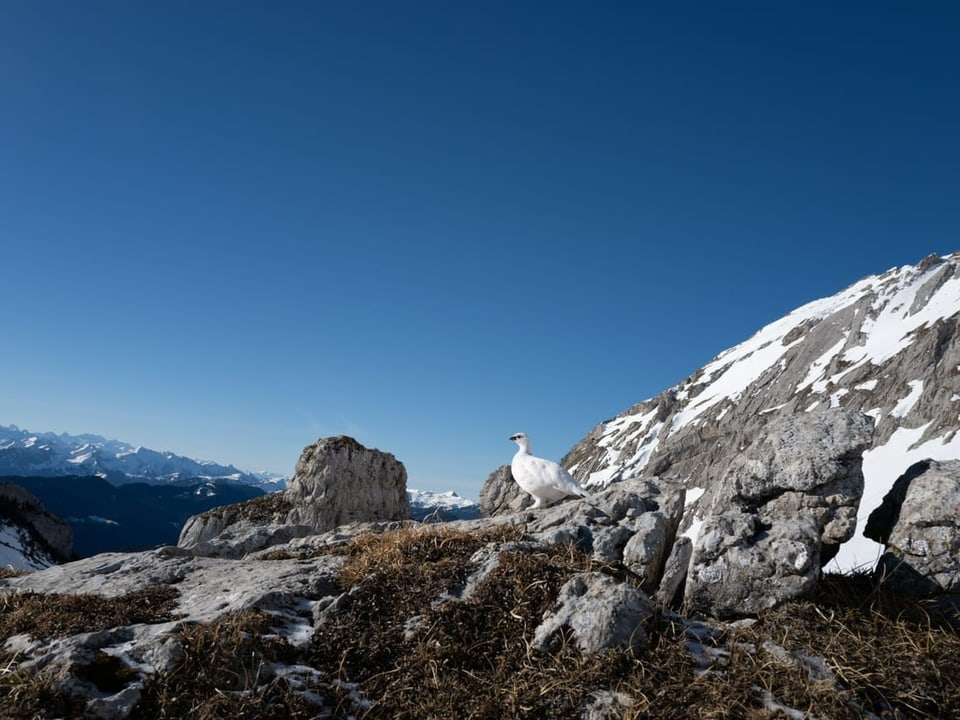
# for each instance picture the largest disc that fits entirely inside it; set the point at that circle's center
(545, 480)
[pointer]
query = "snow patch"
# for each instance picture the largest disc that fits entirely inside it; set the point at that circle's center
(906, 404)
(882, 466)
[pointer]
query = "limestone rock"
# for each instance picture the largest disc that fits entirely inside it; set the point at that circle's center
(600, 611)
(500, 494)
(919, 522)
(888, 346)
(287, 589)
(337, 481)
(607, 705)
(633, 522)
(741, 565)
(674, 576)
(781, 510)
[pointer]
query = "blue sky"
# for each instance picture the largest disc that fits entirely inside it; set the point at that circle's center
(230, 228)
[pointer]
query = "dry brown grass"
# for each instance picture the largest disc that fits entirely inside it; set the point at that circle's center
(226, 672)
(30, 694)
(472, 658)
(51, 615)
(9, 572)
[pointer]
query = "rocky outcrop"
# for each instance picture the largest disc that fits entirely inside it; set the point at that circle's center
(337, 481)
(206, 589)
(886, 346)
(45, 538)
(500, 494)
(919, 525)
(786, 501)
(782, 508)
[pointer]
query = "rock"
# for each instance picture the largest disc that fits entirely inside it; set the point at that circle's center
(741, 565)
(674, 576)
(646, 550)
(633, 522)
(779, 513)
(607, 705)
(47, 537)
(919, 523)
(209, 588)
(600, 611)
(337, 481)
(888, 345)
(500, 494)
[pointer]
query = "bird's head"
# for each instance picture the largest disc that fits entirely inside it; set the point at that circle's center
(522, 440)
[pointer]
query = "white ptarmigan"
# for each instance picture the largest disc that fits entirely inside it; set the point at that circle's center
(544, 480)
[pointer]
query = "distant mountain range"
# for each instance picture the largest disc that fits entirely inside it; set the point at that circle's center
(47, 454)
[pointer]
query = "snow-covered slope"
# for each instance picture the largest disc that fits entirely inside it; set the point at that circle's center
(886, 346)
(444, 506)
(19, 551)
(47, 454)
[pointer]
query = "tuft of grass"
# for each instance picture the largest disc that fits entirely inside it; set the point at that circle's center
(264, 509)
(9, 572)
(470, 658)
(51, 615)
(30, 695)
(26, 693)
(226, 672)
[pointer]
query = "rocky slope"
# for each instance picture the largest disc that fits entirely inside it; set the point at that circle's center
(887, 346)
(30, 537)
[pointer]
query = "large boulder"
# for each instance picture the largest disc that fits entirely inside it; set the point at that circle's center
(779, 513)
(337, 482)
(919, 524)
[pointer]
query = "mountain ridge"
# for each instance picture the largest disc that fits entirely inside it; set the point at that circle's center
(887, 346)
(48, 454)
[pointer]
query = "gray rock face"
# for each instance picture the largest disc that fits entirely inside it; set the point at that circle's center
(784, 503)
(634, 523)
(600, 611)
(886, 346)
(337, 481)
(919, 522)
(47, 538)
(209, 589)
(500, 494)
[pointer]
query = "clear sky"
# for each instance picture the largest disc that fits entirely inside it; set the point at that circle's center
(230, 228)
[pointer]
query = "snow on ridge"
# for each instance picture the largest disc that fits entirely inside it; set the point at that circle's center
(814, 378)
(445, 500)
(889, 332)
(887, 301)
(905, 405)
